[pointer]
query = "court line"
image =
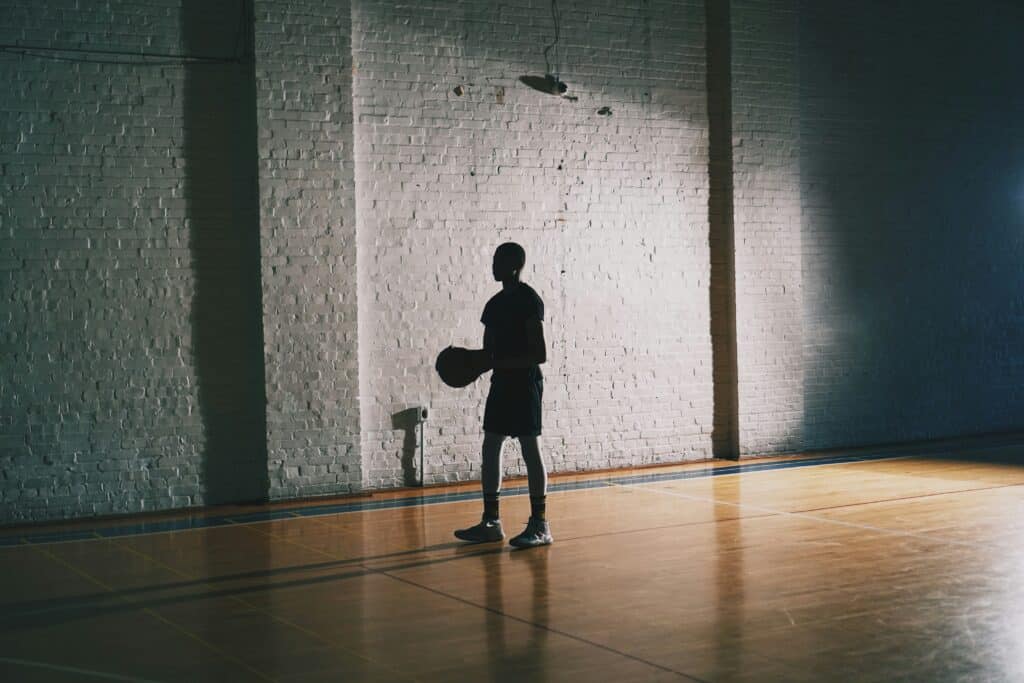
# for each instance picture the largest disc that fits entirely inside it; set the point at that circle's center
(386, 571)
(898, 499)
(545, 627)
(308, 632)
(171, 526)
(642, 487)
(287, 622)
(819, 518)
(361, 562)
(159, 617)
(22, 611)
(76, 670)
(403, 674)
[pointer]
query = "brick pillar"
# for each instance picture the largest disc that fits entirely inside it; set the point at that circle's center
(307, 232)
(766, 217)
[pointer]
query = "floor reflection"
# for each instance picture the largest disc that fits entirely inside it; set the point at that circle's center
(507, 655)
(903, 569)
(729, 579)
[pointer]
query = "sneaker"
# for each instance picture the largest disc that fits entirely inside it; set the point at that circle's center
(486, 531)
(537, 532)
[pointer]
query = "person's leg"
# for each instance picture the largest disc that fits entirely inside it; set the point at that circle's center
(490, 473)
(537, 531)
(489, 528)
(536, 474)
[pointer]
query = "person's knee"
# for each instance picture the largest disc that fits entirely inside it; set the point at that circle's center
(531, 451)
(530, 444)
(492, 443)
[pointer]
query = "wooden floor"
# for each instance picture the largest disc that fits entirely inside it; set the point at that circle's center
(910, 568)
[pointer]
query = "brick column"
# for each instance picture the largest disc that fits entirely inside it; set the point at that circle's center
(766, 217)
(307, 231)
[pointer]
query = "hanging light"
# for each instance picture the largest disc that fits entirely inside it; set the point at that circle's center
(549, 83)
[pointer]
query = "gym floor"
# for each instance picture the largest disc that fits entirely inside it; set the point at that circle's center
(868, 566)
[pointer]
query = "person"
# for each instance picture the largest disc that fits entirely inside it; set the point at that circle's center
(514, 349)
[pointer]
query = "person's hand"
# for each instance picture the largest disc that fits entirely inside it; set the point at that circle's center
(482, 360)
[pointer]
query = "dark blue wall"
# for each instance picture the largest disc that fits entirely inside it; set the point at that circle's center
(912, 173)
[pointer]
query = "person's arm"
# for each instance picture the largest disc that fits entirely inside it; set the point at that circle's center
(482, 357)
(536, 350)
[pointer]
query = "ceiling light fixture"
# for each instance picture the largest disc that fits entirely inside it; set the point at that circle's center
(549, 83)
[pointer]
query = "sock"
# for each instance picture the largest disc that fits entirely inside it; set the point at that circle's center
(537, 507)
(490, 506)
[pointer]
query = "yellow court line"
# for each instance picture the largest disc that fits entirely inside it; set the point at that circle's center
(177, 627)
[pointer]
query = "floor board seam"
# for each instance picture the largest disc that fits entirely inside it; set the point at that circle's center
(909, 498)
(76, 670)
(248, 605)
(386, 571)
(153, 613)
(545, 627)
(866, 527)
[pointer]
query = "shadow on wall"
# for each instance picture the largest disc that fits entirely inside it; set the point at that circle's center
(721, 235)
(913, 235)
(408, 422)
(223, 223)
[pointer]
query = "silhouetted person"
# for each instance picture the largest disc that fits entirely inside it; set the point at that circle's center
(514, 349)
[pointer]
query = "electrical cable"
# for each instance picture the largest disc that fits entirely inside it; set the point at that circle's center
(40, 52)
(47, 52)
(555, 18)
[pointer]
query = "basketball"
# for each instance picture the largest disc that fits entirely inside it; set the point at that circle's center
(456, 367)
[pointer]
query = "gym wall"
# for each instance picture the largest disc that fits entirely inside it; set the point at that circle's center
(130, 307)
(227, 281)
(611, 209)
(912, 195)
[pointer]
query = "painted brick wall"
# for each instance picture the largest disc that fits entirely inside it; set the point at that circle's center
(308, 244)
(912, 150)
(612, 211)
(229, 281)
(107, 403)
(766, 219)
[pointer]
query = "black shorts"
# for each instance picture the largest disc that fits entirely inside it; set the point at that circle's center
(513, 405)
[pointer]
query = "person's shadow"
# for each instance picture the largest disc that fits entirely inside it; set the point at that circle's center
(408, 421)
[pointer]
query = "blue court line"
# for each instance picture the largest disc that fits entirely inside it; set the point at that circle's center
(161, 526)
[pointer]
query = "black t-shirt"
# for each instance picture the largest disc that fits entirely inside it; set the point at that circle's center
(505, 317)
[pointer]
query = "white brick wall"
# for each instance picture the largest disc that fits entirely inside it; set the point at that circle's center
(156, 354)
(612, 212)
(308, 235)
(101, 394)
(766, 217)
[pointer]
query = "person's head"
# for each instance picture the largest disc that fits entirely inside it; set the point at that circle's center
(509, 259)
